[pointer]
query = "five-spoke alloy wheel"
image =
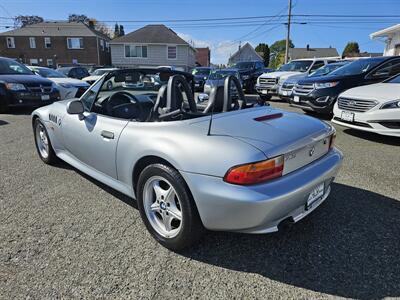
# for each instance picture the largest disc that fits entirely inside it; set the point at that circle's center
(43, 144)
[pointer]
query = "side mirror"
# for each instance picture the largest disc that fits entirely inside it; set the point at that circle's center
(202, 97)
(75, 108)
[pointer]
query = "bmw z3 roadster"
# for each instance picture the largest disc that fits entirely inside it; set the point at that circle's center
(223, 165)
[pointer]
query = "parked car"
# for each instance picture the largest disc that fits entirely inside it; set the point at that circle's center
(268, 84)
(249, 72)
(374, 108)
(286, 89)
(68, 87)
(319, 94)
(243, 172)
(74, 72)
(97, 74)
(20, 87)
(200, 77)
(217, 77)
(94, 68)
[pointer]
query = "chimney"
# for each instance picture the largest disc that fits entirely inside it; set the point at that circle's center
(91, 24)
(308, 47)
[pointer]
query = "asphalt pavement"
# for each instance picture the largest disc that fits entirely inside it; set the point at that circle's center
(65, 235)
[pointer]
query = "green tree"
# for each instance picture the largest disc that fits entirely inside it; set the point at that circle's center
(263, 49)
(277, 52)
(121, 30)
(351, 49)
(22, 21)
(116, 31)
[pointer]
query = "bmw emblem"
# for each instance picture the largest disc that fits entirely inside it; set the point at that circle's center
(312, 150)
(163, 206)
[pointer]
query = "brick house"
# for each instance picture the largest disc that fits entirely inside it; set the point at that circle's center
(56, 43)
(203, 56)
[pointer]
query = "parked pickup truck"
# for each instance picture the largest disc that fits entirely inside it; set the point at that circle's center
(268, 84)
(249, 72)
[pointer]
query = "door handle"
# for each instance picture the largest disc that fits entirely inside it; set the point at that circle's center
(107, 134)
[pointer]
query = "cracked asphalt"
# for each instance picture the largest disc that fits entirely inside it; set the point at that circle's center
(64, 235)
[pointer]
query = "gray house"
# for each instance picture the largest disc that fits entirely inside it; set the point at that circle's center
(245, 53)
(308, 52)
(152, 46)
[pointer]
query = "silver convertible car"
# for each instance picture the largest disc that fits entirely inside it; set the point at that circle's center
(226, 165)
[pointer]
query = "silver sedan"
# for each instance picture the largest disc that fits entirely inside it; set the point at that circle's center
(231, 166)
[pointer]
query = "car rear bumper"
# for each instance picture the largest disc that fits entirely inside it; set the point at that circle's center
(385, 122)
(260, 208)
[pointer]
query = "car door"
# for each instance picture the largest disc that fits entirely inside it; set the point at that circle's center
(92, 140)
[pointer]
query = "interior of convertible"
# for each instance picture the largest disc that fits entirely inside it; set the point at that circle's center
(150, 95)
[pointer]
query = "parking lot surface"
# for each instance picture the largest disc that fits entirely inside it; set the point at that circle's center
(64, 235)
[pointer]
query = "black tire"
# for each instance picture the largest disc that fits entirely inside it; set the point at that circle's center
(191, 228)
(265, 97)
(51, 158)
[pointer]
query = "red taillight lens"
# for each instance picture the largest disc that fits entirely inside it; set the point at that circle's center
(332, 141)
(255, 172)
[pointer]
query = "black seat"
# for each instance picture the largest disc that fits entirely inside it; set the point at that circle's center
(216, 100)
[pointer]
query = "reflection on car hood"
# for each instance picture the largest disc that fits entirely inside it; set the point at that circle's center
(73, 81)
(92, 78)
(273, 137)
(280, 74)
(382, 92)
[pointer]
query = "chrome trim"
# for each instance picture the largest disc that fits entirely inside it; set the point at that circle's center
(357, 105)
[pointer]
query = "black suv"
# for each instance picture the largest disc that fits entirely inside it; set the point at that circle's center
(319, 94)
(74, 72)
(249, 72)
(200, 77)
(19, 86)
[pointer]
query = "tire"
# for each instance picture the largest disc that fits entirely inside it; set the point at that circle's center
(46, 152)
(158, 207)
(265, 97)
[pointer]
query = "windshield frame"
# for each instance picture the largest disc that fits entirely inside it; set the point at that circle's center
(306, 63)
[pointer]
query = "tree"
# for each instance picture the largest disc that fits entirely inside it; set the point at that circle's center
(264, 50)
(22, 21)
(121, 30)
(351, 49)
(78, 18)
(277, 50)
(116, 30)
(91, 22)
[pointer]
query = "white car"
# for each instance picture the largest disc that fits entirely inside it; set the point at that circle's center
(269, 84)
(68, 87)
(374, 108)
(97, 74)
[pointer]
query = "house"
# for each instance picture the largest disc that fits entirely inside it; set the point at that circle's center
(203, 57)
(308, 52)
(152, 46)
(391, 37)
(244, 53)
(53, 43)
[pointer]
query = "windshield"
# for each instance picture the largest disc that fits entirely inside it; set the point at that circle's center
(221, 74)
(49, 73)
(326, 70)
(99, 72)
(296, 66)
(9, 66)
(394, 80)
(356, 67)
(243, 65)
(201, 71)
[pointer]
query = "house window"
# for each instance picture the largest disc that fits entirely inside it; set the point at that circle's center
(75, 43)
(49, 62)
(47, 42)
(10, 42)
(135, 51)
(32, 42)
(74, 61)
(33, 61)
(102, 45)
(171, 52)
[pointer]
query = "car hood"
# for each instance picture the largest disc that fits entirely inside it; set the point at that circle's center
(75, 82)
(287, 132)
(245, 71)
(296, 77)
(382, 92)
(328, 78)
(25, 79)
(91, 78)
(279, 74)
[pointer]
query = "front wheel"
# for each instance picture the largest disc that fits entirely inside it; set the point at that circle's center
(167, 207)
(43, 144)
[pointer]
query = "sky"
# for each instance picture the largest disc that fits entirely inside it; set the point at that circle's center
(224, 36)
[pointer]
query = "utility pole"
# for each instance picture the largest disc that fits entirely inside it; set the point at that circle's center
(288, 31)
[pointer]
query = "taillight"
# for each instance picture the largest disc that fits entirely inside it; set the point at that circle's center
(332, 141)
(255, 172)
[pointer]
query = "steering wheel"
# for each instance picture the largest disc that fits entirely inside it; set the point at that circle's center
(228, 95)
(120, 99)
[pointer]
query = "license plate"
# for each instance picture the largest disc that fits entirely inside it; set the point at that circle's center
(315, 195)
(347, 116)
(285, 93)
(45, 97)
(197, 84)
(265, 92)
(296, 99)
